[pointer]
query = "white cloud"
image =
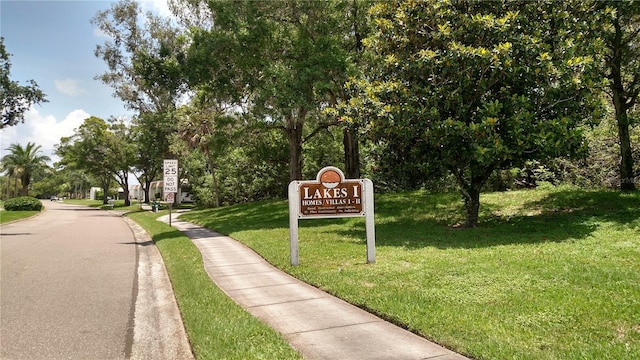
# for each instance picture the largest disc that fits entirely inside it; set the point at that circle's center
(99, 33)
(159, 7)
(69, 87)
(8, 136)
(47, 131)
(41, 130)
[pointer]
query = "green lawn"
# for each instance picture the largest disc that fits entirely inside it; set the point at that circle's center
(217, 327)
(550, 274)
(8, 216)
(85, 202)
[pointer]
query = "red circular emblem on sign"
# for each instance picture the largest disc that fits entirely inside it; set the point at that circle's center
(330, 179)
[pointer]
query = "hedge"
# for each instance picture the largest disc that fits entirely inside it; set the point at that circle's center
(25, 203)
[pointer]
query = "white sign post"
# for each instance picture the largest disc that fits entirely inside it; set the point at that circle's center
(331, 196)
(170, 182)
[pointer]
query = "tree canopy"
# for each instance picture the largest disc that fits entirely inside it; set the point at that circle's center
(90, 148)
(23, 162)
(282, 61)
(475, 86)
(619, 26)
(411, 93)
(16, 98)
(144, 55)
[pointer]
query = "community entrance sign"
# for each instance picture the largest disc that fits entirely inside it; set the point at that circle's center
(331, 196)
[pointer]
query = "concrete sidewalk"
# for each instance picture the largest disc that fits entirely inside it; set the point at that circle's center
(318, 325)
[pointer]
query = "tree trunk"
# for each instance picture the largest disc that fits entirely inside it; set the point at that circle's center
(621, 105)
(216, 188)
(351, 153)
(147, 185)
(471, 191)
(472, 207)
(105, 190)
(627, 179)
(25, 186)
(125, 189)
(127, 200)
(294, 135)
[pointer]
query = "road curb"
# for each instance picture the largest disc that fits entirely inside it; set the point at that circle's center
(158, 331)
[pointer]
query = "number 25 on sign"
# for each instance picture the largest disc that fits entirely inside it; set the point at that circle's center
(170, 179)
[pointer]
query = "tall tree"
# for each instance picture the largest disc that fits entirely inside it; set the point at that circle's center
(277, 59)
(13, 173)
(620, 28)
(23, 162)
(16, 99)
(144, 60)
(150, 137)
(48, 182)
(207, 127)
(356, 28)
(475, 86)
(87, 149)
(78, 181)
(120, 151)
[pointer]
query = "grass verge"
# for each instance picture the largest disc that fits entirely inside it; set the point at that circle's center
(217, 327)
(85, 202)
(550, 273)
(9, 216)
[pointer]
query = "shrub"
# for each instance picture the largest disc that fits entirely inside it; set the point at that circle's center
(24, 203)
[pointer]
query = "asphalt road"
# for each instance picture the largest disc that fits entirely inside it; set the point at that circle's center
(69, 285)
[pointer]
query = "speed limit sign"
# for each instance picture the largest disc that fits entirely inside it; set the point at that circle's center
(170, 177)
(170, 197)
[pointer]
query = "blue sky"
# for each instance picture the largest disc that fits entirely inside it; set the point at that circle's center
(53, 43)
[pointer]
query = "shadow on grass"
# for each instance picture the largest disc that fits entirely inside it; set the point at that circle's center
(167, 235)
(417, 219)
(620, 208)
(565, 215)
(262, 215)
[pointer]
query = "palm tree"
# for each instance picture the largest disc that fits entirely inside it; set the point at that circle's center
(12, 172)
(23, 162)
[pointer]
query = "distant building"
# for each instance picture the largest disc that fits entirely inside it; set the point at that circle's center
(93, 192)
(136, 192)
